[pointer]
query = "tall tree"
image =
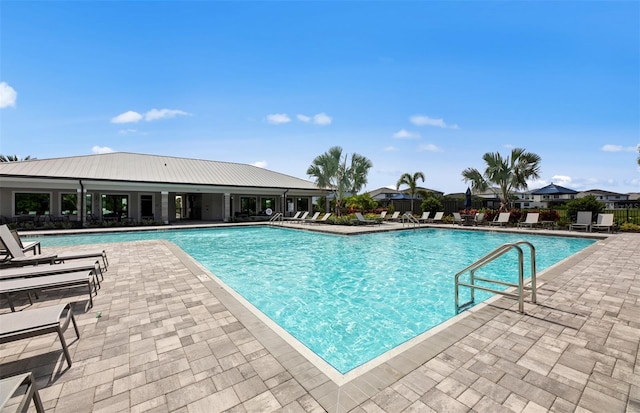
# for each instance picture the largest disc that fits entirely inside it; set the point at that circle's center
(508, 174)
(412, 182)
(332, 170)
(13, 158)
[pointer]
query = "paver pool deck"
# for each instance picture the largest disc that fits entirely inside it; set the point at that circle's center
(163, 336)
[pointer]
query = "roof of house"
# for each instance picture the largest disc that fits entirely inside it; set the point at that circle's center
(133, 167)
(553, 189)
(600, 192)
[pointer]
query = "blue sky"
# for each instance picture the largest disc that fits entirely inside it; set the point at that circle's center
(413, 86)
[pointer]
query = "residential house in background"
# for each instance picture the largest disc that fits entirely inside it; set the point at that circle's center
(610, 199)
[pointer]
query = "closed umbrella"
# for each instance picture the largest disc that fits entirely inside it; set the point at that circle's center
(467, 198)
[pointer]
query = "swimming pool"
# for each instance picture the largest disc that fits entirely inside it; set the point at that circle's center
(348, 299)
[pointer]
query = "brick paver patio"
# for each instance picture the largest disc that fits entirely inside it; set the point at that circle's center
(162, 336)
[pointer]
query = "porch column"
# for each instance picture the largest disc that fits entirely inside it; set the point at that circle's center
(165, 206)
(227, 207)
(82, 199)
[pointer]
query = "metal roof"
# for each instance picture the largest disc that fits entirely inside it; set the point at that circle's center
(553, 189)
(133, 167)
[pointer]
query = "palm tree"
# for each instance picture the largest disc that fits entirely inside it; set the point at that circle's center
(509, 174)
(332, 171)
(638, 156)
(13, 158)
(412, 182)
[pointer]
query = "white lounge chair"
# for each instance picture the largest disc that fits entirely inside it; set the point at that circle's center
(37, 322)
(312, 219)
(383, 214)
(604, 221)
(457, 218)
(437, 217)
(394, 217)
(321, 220)
(531, 220)
(502, 219)
(583, 221)
(424, 217)
(479, 218)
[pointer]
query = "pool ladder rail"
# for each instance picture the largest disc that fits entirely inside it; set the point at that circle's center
(410, 219)
(277, 217)
(520, 286)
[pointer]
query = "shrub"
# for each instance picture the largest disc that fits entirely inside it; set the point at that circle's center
(587, 203)
(431, 204)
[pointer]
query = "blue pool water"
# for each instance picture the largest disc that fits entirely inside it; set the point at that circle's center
(348, 298)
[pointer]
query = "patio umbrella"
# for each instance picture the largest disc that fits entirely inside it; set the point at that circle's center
(467, 198)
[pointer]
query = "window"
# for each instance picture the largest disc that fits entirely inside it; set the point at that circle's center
(88, 204)
(302, 204)
(248, 205)
(267, 203)
(69, 204)
(32, 203)
(115, 206)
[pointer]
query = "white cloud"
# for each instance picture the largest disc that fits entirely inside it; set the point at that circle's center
(260, 164)
(127, 117)
(8, 95)
(390, 149)
(405, 134)
(429, 147)
(303, 118)
(101, 149)
(618, 148)
(322, 119)
(422, 120)
(278, 118)
(155, 114)
(127, 131)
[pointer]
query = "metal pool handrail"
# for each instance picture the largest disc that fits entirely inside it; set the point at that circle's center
(498, 252)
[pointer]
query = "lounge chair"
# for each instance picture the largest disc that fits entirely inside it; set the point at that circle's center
(27, 285)
(360, 219)
(37, 322)
(437, 217)
(296, 216)
(424, 217)
(321, 220)
(395, 216)
(300, 218)
(29, 246)
(583, 221)
(19, 258)
(383, 214)
(604, 221)
(312, 219)
(502, 219)
(531, 220)
(9, 387)
(40, 270)
(478, 219)
(457, 219)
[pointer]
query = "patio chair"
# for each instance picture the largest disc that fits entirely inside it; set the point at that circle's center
(604, 221)
(394, 217)
(531, 221)
(19, 258)
(29, 246)
(583, 221)
(321, 220)
(51, 269)
(437, 217)
(502, 219)
(424, 217)
(360, 219)
(312, 219)
(383, 214)
(478, 219)
(37, 322)
(54, 281)
(457, 218)
(26, 383)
